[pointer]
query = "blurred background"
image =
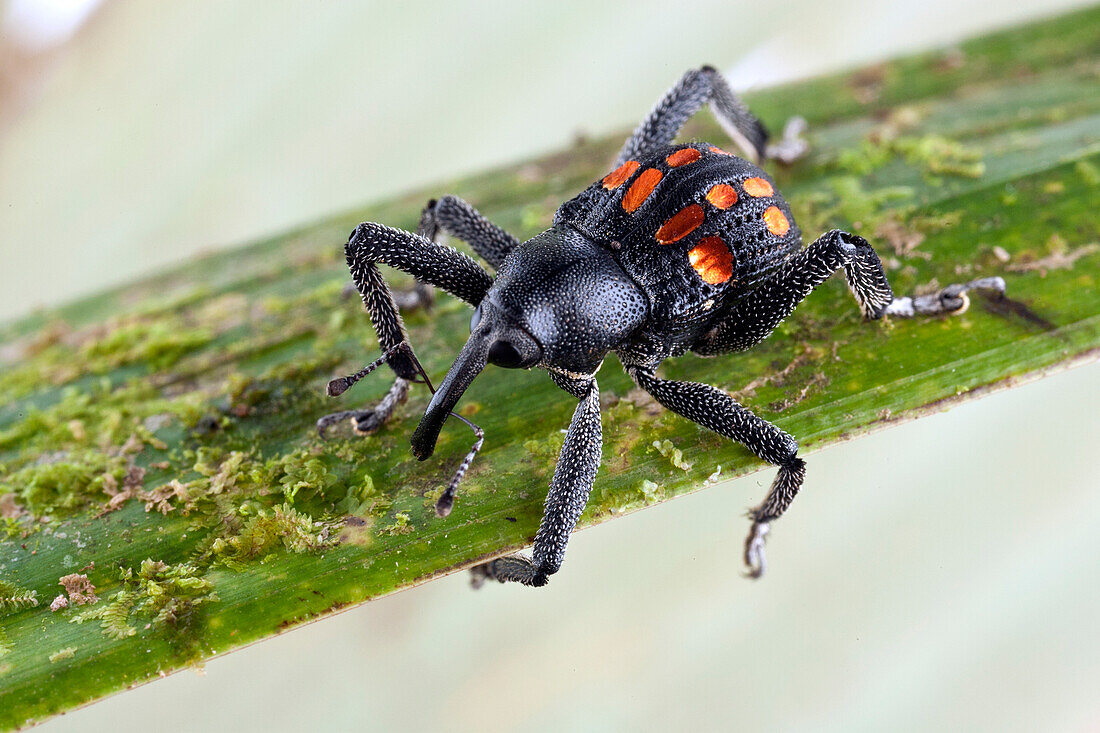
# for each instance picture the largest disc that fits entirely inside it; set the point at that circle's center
(961, 594)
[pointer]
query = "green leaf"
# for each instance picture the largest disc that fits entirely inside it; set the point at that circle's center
(158, 439)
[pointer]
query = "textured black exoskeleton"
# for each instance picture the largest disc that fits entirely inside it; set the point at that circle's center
(679, 248)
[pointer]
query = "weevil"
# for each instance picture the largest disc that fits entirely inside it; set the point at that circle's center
(680, 247)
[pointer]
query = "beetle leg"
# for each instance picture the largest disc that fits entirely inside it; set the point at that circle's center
(751, 319)
(755, 316)
(457, 218)
(867, 281)
(430, 263)
(419, 296)
(576, 470)
(717, 411)
(696, 88)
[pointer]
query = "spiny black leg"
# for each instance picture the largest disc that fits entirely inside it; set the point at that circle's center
(696, 88)
(751, 320)
(717, 411)
(757, 315)
(867, 281)
(457, 218)
(427, 261)
(782, 492)
(430, 263)
(576, 470)
(369, 420)
(420, 296)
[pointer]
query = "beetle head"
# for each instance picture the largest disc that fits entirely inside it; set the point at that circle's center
(570, 296)
(559, 301)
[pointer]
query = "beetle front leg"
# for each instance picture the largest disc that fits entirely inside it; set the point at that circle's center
(717, 411)
(370, 419)
(576, 470)
(430, 263)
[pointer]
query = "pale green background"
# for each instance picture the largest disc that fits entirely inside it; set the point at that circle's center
(942, 575)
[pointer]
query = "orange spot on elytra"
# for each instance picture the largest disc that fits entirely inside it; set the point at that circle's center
(683, 157)
(712, 259)
(714, 149)
(683, 222)
(776, 222)
(722, 195)
(641, 188)
(758, 187)
(618, 177)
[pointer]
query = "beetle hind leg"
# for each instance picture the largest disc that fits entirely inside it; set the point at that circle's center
(867, 281)
(952, 300)
(706, 85)
(715, 410)
(752, 318)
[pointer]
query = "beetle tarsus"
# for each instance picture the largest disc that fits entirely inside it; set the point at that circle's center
(755, 557)
(509, 569)
(340, 385)
(951, 300)
(792, 146)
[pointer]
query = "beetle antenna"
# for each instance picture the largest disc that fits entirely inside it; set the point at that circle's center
(447, 499)
(427, 380)
(342, 384)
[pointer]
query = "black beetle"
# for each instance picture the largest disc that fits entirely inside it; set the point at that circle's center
(679, 248)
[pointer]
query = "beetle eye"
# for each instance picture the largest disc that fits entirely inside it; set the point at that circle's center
(505, 355)
(475, 318)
